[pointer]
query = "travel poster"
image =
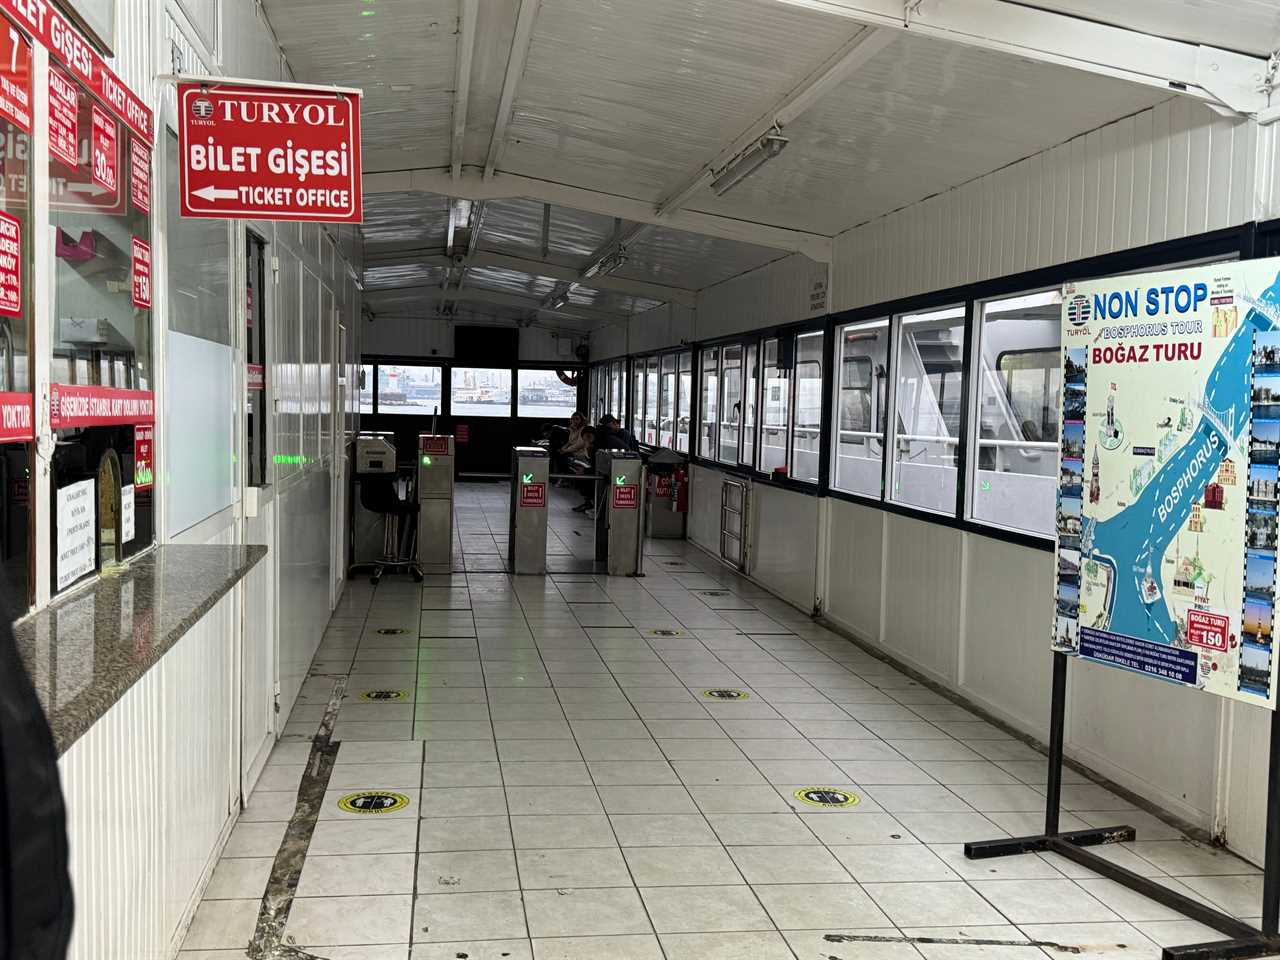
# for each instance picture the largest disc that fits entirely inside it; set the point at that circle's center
(1166, 520)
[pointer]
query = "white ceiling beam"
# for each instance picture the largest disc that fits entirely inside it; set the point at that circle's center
(830, 73)
(467, 13)
(433, 294)
(1205, 73)
(541, 268)
(515, 69)
(510, 186)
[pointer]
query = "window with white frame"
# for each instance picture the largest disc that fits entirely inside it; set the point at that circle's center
(928, 402)
(730, 402)
(750, 388)
(1019, 408)
(636, 420)
(650, 402)
(684, 399)
(667, 402)
(709, 409)
(806, 431)
(775, 404)
(862, 352)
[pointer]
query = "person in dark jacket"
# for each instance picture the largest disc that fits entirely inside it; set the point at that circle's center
(611, 435)
(35, 888)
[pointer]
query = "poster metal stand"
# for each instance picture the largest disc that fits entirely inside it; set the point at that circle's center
(1241, 939)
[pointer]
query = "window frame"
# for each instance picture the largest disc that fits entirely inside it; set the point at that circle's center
(885, 325)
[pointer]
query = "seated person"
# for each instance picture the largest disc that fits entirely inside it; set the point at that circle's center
(613, 436)
(586, 487)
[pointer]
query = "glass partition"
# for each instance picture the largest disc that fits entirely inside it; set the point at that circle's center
(730, 402)
(806, 432)
(684, 399)
(667, 402)
(636, 420)
(861, 394)
(750, 388)
(1019, 410)
(776, 384)
(650, 402)
(929, 364)
(710, 395)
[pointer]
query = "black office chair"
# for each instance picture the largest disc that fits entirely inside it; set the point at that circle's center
(381, 494)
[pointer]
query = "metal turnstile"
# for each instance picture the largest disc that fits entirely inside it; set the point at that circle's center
(527, 541)
(619, 507)
(435, 503)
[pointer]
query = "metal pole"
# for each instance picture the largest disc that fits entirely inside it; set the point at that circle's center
(1057, 716)
(641, 496)
(1271, 861)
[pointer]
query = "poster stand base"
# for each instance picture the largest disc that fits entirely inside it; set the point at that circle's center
(1242, 940)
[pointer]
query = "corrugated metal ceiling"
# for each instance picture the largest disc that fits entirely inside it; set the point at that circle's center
(1249, 26)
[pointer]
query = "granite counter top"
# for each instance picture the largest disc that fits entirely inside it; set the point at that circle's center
(86, 649)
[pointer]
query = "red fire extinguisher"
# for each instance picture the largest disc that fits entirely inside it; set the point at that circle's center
(680, 490)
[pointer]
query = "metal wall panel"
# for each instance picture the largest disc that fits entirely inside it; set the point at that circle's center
(855, 564)
(258, 667)
(304, 572)
(133, 53)
(249, 46)
(1172, 171)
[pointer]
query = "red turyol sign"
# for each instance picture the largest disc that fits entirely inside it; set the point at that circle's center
(269, 152)
(54, 31)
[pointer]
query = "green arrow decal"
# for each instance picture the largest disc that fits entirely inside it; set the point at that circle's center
(526, 478)
(620, 480)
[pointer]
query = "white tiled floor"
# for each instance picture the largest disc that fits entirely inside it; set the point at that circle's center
(573, 794)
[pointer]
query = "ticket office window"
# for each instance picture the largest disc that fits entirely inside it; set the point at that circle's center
(100, 226)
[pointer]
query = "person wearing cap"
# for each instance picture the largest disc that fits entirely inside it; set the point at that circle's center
(612, 435)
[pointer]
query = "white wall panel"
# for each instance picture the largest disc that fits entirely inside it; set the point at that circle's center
(133, 53)
(150, 797)
(789, 289)
(920, 613)
(784, 539)
(258, 719)
(704, 508)
(855, 566)
(303, 586)
(1172, 171)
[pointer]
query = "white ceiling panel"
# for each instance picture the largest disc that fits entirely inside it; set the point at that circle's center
(630, 97)
(920, 117)
(408, 43)
(689, 260)
(408, 219)
(1249, 26)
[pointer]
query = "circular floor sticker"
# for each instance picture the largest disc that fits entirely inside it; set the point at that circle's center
(391, 631)
(382, 695)
(373, 801)
(726, 694)
(826, 797)
(667, 632)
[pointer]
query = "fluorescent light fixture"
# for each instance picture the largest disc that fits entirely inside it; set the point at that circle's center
(606, 264)
(459, 216)
(748, 162)
(559, 302)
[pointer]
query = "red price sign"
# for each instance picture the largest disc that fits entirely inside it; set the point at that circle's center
(10, 266)
(256, 376)
(1208, 630)
(140, 175)
(626, 497)
(275, 153)
(64, 118)
(141, 274)
(15, 78)
(103, 152)
(533, 495)
(143, 456)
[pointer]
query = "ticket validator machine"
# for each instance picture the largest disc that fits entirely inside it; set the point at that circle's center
(528, 533)
(619, 506)
(435, 502)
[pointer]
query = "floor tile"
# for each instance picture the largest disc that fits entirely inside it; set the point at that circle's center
(468, 916)
(242, 878)
(628, 947)
(1043, 901)
(704, 909)
(830, 905)
(470, 871)
(681, 866)
(562, 831)
(578, 912)
(222, 924)
(353, 875)
(932, 903)
(777, 864)
(324, 921)
(762, 945)
(581, 867)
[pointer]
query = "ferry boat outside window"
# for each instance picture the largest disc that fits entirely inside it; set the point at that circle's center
(473, 392)
(543, 395)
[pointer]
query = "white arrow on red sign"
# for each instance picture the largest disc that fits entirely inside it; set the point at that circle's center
(215, 193)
